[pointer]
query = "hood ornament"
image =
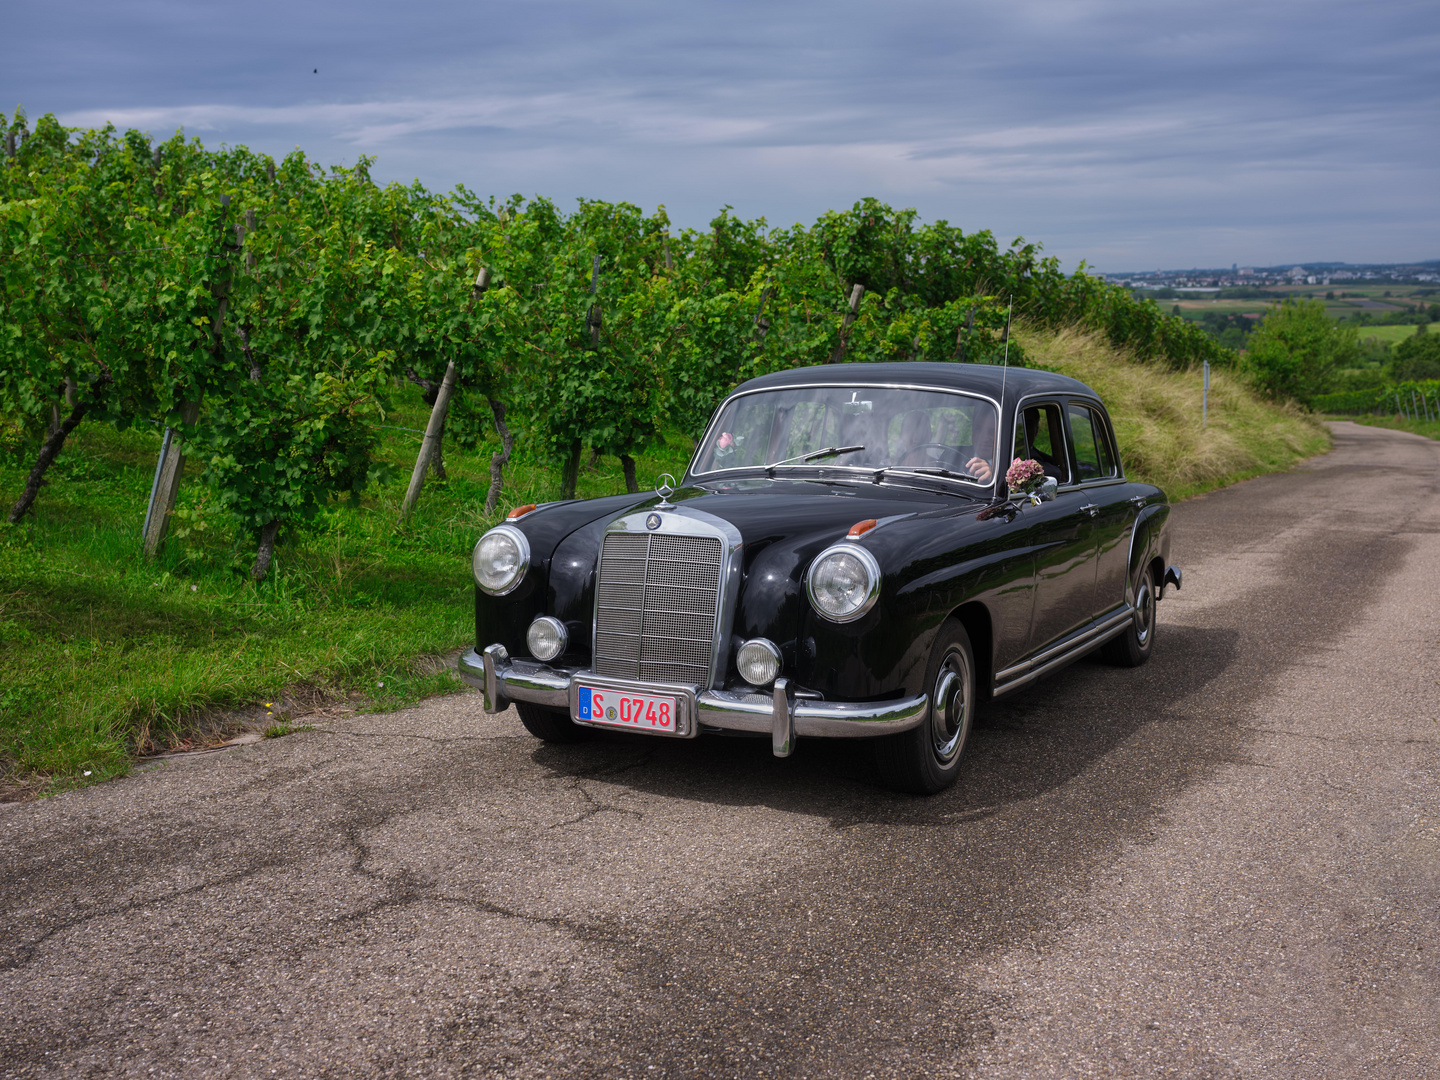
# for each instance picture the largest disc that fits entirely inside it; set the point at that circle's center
(665, 487)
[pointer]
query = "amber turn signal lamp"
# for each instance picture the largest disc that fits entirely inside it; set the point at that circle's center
(521, 511)
(860, 528)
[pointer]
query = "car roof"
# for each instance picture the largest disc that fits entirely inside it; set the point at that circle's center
(986, 379)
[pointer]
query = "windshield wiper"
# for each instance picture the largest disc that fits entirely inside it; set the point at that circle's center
(829, 451)
(932, 470)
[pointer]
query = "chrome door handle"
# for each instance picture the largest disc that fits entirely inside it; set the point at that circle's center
(1137, 501)
(1091, 508)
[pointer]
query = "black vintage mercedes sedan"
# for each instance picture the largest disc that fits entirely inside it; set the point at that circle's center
(842, 559)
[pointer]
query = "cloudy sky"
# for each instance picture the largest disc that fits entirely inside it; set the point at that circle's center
(1134, 135)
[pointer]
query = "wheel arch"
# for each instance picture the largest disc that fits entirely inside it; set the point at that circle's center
(975, 618)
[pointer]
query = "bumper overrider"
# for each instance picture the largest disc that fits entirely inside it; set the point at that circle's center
(779, 711)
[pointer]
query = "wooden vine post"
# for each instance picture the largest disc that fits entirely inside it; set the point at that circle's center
(435, 429)
(170, 468)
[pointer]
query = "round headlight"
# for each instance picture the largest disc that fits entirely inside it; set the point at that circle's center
(844, 582)
(500, 560)
(546, 638)
(758, 662)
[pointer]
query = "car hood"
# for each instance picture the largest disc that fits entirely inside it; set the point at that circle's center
(784, 511)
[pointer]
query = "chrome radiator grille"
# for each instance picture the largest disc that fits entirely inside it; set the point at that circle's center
(656, 606)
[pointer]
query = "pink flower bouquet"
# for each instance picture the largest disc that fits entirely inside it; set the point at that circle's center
(1025, 475)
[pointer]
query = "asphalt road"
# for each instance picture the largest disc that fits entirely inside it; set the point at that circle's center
(1224, 864)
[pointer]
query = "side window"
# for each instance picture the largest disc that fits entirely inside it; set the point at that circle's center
(1040, 436)
(1093, 458)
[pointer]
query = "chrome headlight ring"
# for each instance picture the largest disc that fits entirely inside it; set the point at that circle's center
(500, 560)
(843, 582)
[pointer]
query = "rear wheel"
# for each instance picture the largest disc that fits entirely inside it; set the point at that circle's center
(926, 759)
(1132, 648)
(550, 725)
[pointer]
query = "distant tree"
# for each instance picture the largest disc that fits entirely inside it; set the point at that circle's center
(1417, 357)
(1232, 337)
(1296, 349)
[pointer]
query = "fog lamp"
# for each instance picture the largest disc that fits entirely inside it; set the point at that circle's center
(758, 662)
(546, 638)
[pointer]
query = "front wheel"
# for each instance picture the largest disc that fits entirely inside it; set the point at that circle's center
(550, 725)
(926, 759)
(1132, 648)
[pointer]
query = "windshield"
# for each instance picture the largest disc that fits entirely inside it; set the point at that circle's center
(926, 431)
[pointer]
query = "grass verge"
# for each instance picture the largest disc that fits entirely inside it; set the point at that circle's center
(104, 655)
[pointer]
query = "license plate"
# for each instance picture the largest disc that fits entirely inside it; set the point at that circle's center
(626, 709)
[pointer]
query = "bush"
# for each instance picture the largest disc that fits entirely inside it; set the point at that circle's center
(1296, 350)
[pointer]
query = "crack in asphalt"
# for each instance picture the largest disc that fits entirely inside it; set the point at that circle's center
(24, 953)
(440, 739)
(595, 807)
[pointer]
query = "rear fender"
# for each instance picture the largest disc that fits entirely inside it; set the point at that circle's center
(1149, 541)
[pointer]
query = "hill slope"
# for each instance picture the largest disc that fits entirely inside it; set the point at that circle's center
(1158, 422)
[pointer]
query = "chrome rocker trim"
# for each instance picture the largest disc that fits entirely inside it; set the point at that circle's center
(777, 713)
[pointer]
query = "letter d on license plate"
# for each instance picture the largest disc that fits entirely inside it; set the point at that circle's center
(631, 709)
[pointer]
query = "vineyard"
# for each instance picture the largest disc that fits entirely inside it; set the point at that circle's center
(1414, 401)
(265, 314)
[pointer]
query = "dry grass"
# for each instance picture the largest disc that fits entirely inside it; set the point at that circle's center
(1157, 416)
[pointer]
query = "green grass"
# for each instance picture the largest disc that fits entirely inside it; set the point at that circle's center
(104, 656)
(1388, 334)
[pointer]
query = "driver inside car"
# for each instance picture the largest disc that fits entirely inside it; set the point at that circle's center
(982, 443)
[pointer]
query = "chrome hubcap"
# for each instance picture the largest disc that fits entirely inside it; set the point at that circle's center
(950, 714)
(1144, 611)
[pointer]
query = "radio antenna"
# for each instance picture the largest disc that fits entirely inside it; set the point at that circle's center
(1004, 371)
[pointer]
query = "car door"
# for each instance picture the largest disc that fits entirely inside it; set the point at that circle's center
(1061, 531)
(1112, 514)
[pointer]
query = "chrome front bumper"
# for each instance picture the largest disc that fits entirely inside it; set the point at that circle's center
(779, 712)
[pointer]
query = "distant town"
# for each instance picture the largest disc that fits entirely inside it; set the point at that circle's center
(1315, 273)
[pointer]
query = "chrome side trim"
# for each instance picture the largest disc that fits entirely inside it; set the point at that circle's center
(1110, 622)
(1071, 648)
(523, 680)
(782, 719)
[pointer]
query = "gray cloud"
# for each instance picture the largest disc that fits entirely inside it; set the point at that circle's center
(1129, 134)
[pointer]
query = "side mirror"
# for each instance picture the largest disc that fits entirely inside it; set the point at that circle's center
(1044, 493)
